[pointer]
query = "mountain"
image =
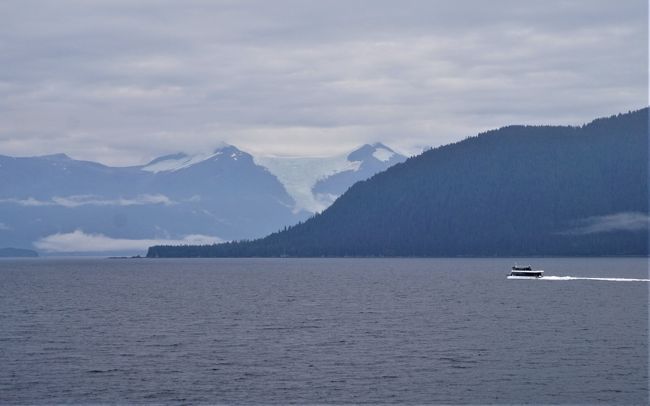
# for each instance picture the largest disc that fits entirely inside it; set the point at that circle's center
(515, 191)
(58, 204)
(372, 159)
(59, 175)
(314, 183)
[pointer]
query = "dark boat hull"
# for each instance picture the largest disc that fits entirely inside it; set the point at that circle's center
(527, 274)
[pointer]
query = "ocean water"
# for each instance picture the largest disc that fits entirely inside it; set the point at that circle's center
(305, 331)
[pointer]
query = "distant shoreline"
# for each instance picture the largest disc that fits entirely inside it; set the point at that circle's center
(17, 253)
(399, 257)
(125, 257)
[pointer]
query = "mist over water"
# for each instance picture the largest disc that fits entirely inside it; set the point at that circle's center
(322, 331)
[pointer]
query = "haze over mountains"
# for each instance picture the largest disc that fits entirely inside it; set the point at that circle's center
(58, 204)
(515, 191)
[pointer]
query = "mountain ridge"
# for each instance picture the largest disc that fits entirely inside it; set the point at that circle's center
(223, 194)
(513, 191)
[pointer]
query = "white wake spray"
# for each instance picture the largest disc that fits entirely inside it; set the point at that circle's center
(576, 278)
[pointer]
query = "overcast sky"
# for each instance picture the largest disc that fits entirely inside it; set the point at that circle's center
(123, 81)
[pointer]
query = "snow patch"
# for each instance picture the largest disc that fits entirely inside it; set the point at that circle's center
(383, 154)
(171, 165)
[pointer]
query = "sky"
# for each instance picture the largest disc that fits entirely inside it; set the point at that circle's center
(121, 82)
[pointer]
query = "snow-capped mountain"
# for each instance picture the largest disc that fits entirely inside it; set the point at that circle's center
(179, 161)
(50, 201)
(58, 204)
(314, 183)
(371, 158)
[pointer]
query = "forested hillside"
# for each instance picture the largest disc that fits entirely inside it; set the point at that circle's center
(518, 190)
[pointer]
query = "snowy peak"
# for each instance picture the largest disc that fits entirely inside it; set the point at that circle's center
(313, 183)
(377, 151)
(232, 153)
(178, 161)
(371, 159)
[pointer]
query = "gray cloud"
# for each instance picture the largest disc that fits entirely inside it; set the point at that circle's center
(626, 221)
(122, 81)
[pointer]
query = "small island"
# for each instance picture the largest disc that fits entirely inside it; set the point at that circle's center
(17, 253)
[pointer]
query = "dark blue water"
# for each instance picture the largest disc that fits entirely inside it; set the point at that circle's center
(321, 331)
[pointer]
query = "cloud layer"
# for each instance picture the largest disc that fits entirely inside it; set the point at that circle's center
(92, 200)
(121, 81)
(79, 241)
(627, 221)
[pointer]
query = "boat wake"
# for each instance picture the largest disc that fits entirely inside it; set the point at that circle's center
(577, 278)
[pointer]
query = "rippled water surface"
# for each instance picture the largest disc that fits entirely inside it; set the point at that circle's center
(322, 331)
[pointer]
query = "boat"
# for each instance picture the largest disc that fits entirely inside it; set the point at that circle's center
(525, 272)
